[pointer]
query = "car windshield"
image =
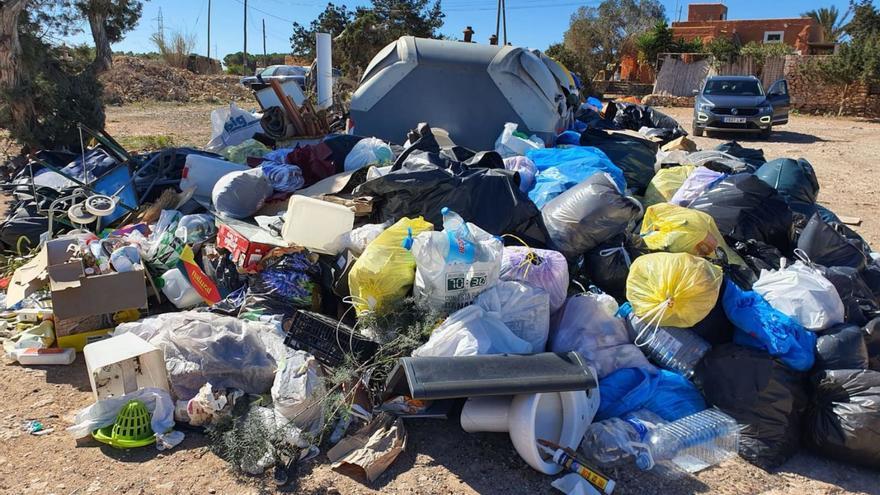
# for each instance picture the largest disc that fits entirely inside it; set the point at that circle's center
(733, 87)
(269, 71)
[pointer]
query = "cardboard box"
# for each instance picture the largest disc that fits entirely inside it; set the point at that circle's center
(76, 295)
(248, 243)
(83, 324)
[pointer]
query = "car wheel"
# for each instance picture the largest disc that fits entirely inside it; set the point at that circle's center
(698, 131)
(765, 134)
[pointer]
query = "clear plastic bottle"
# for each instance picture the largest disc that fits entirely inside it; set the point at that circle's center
(461, 242)
(615, 439)
(674, 349)
(707, 437)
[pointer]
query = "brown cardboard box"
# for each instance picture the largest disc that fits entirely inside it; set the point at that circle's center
(76, 295)
(83, 324)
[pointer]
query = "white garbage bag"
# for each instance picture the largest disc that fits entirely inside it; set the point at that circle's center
(231, 126)
(298, 391)
(103, 413)
(524, 309)
(469, 332)
(508, 144)
(803, 293)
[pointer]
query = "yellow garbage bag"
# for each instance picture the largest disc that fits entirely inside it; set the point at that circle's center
(665, 182)
(672, 289)
(386, 270)
(676, 229)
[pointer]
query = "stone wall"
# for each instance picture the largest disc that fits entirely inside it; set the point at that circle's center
(809, 95)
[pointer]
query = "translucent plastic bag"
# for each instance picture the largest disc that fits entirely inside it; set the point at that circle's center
(526, 169)
(803, 293)
(665, 183)
(248, 148)
(455, 265)
(541, 268)
(588, 325)
(563, 168)
(469, 332)
(664, 393)
(103, 413)
(675, 290)
(523, 309)
(231, 126)
(386, 270)
(297, 391)
(510, 144)
(694, 185)
(671, 228)
(369, 151)
(241, 194)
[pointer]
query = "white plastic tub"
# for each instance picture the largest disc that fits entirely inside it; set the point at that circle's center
(315, 224)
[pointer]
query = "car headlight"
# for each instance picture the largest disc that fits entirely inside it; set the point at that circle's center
(706, 107)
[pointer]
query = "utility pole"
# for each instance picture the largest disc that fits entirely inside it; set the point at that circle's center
(244, 54)
(209, 29)
(264, 39)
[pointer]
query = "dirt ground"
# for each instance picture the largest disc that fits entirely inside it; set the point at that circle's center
(440, 458)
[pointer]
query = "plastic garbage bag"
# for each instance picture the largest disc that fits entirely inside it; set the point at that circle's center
(666, 183)
(672, 289)
(765, 397)
(204, 347)
(841, 348)
(560, 169)
(843, 419)
(675, 229)
(760, 326)
(297, 391)
(744, 207)
(801, 292)
(719, 162)
(607, 265)
(697, 182)
(249, 148)
(369, 151)
(455, 265)
(752, 156)
(540, 268)
(526, 169)
(512, 143)
(287, 280)
(872, 343)
(283, 177)
(241, 194)
(588, 324)
(386, 270)
(587, 215)
(471, 331)
(103, 413)
(828, 247)
(795, 180)
(859, 302)
(666, 394)
(162, 249)
(634, 155)
(633, 116)
(524, 309)
(357, 240)
(231, 126)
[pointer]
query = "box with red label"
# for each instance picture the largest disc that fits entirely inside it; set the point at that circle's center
(248, 243)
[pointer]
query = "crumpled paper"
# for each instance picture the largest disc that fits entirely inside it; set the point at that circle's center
(372, 449)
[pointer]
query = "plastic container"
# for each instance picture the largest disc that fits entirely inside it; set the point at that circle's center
(37, 357)
(192, 229)
(123, 364)
(616, 439)
(675, 349)
(702, 439)
(202, 173)
(178, 290)
(315, 224)
(327, 339)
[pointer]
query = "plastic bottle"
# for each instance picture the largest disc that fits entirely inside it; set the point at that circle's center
(192, 229)
(461, 246)
(178, 290)
(709, 436)
(615, 439)
(674, 349)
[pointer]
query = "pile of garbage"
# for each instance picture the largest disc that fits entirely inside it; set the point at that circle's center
(607, 297)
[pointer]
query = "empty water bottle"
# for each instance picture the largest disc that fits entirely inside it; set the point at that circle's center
(675, 349)
(615, 439)
(705, 438)
(461, 246)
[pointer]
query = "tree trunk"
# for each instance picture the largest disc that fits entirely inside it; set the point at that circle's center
(21, 104)
(103, 53)
(843, 100)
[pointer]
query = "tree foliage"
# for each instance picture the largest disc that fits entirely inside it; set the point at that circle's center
(333, 20)
(723, 49)
(660, 40)
(833, 24)
(572, 62)
(597, 34)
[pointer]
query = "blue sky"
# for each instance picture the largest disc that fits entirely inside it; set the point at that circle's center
(531, 23)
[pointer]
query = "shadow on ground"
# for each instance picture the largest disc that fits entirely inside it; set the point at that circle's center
(790, 137)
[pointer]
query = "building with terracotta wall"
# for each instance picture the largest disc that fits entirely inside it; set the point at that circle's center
(707, 21)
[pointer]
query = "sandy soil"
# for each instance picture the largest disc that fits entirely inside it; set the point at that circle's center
(440, 458)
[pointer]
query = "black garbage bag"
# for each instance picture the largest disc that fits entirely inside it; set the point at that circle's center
(746, 208)
(859, 302)
(715, 328)
(752, 156)
(23, 228)
(594, 120)
(607, 265)
(841, 347)
(871, 276)
(795, 180)
(423, 182)
(633, 155)
(763, 395)
(587, 215)
(843, 420)
(871, 333)
(758, 255)
(634, 117)
(828, 247)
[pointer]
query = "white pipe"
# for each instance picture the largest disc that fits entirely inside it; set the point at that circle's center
(325, 70)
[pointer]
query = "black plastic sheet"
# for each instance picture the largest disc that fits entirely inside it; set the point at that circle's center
(826, 246)
(633, 155)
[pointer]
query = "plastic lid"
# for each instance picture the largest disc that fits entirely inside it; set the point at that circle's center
(408, 240)
(444, 210)
(644, 461)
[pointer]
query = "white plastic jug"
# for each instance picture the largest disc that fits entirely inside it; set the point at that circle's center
(203, 172)
(178, 289)
(315, 224)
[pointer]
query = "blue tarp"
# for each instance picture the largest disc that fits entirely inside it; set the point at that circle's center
(560, 169)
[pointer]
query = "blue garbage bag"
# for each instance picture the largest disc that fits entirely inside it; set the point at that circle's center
(760, 326)
(560, 169)
(666, 394)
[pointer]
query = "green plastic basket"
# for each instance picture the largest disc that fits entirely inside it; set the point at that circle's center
(130, 430)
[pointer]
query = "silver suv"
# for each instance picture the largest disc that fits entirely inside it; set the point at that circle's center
(738, 104)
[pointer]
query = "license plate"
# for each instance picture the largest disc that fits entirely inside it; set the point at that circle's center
(734, 120)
